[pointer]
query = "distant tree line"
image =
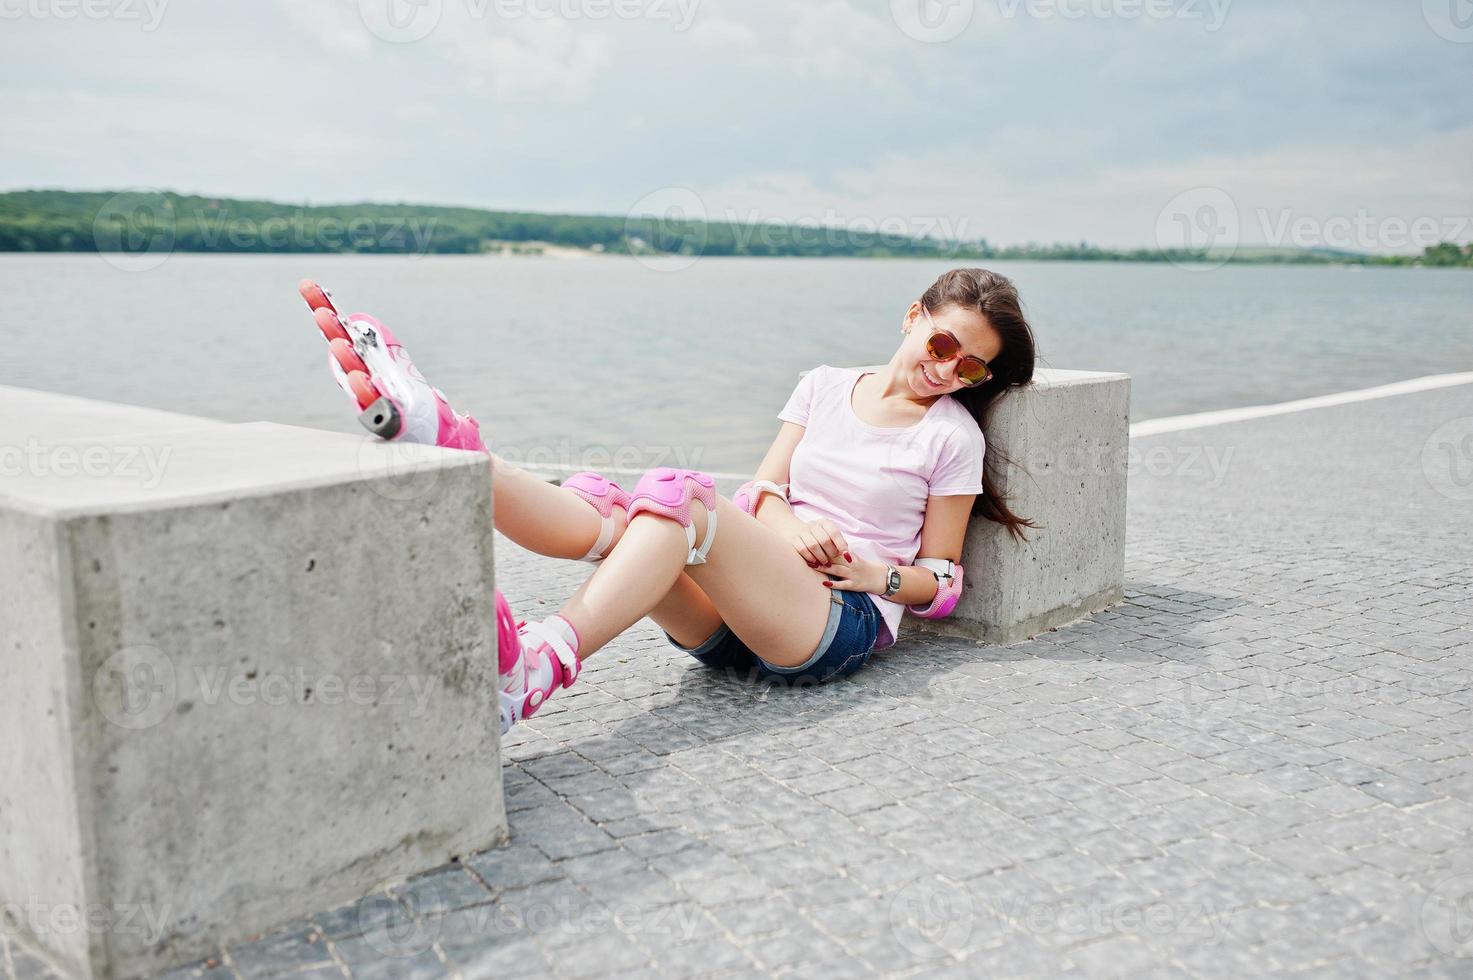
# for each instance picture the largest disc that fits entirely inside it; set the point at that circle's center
(142, 222)
(1447, 254)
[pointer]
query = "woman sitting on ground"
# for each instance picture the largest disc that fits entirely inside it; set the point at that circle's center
(858, 510)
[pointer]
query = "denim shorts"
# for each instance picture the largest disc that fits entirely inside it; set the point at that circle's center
(848, 640)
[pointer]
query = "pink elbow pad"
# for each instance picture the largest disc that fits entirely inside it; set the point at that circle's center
(948, 588)
(750, 492)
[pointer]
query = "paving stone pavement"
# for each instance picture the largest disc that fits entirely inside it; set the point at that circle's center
(1260, 763)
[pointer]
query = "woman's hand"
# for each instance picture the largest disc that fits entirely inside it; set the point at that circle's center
(820, 542)
(859, 575)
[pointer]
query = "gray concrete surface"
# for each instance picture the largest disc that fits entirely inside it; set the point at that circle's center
(1260, 763)
(251, 679)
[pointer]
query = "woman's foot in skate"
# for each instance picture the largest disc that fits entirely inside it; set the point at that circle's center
(393, 399)
(535, 660)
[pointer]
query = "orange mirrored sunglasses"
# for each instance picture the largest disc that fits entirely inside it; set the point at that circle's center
(943, 346)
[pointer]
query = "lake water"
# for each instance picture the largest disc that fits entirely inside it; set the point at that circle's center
(603, 361)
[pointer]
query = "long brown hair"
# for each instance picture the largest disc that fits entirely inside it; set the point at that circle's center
(995, 297)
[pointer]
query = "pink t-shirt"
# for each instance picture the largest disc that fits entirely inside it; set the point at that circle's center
(873, 482)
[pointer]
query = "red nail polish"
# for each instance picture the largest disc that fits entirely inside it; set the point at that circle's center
(828, 585)
(846, 557)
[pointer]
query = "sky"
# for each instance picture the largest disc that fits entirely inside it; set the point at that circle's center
(1124, 123)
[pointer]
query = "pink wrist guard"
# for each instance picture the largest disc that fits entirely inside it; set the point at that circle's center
(750, 492)
(948, 588)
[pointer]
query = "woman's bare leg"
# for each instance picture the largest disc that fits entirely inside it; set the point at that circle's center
(686, 612)
(555, 522)
(763, 590)
(542, 517)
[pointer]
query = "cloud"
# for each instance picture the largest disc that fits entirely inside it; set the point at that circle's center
(520, 58)
(716, 33)
(337, 26)
(530, 62)
(1355, 196)
(1027, 127)
(833, 41)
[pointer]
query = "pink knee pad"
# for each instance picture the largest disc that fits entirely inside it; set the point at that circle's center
(669, 492)
(604, 495)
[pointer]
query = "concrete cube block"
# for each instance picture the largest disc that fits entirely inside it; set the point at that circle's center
(1068, 435)
(250, 674)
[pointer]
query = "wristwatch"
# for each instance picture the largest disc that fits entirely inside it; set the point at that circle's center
(892, 581)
